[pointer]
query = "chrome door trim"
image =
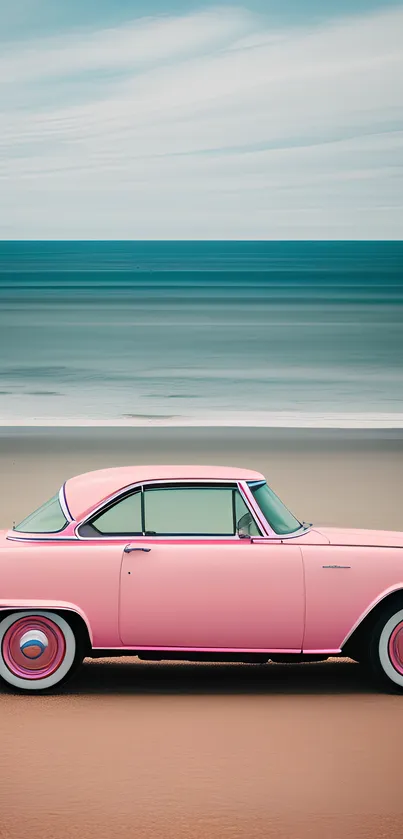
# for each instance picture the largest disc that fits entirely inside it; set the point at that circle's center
(63, 503)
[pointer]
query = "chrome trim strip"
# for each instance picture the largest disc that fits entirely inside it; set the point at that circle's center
(123, 539)
(63, 503)
(336, 566)
(292, 650)
(255, 511)
(152, 539)
(320, 652)
(300, 532)
(46, 538)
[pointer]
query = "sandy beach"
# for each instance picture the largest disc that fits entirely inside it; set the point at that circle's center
(179, 751)
(158, 751)
(201, 263)
(326, 476)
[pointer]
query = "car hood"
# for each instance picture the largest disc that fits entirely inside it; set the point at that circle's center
(363, 538)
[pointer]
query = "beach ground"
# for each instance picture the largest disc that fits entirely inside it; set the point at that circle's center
(180, 751)
(334, 477)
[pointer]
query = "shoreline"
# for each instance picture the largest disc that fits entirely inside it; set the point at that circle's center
(274, 420)
(224, 434)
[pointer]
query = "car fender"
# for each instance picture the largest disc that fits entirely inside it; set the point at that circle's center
(46, 605)
(398, 587)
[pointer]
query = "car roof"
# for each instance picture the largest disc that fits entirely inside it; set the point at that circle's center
(86, 491)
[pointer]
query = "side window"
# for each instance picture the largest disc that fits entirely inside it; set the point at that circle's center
(188, 511)
(175, 511)
(123, 518)
(193, 511)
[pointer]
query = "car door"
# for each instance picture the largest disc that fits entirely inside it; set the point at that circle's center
(190, 581)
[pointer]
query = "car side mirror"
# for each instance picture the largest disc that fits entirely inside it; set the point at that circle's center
(243, 526)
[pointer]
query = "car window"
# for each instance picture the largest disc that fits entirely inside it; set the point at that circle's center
(49, 518)
(175, 511)
(123, 517)
(192, 511)
(275, 512)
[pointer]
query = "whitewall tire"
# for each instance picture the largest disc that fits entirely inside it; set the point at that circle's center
(390, 648)
(386, 647)
(38, 650)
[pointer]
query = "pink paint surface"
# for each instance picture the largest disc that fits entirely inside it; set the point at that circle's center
(241, 596)
(85, 491)
(267, 594)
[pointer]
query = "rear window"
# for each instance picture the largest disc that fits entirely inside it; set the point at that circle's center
(49, 518)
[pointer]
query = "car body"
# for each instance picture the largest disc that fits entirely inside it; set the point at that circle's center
(192, 562)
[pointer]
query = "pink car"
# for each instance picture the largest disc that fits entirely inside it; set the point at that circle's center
(194, 563)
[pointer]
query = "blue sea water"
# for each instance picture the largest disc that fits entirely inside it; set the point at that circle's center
(200, 330)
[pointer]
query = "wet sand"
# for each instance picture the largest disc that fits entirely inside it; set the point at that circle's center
(179, 751)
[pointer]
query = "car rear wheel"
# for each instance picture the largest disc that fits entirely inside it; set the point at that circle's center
(38, 650)
(385, 654)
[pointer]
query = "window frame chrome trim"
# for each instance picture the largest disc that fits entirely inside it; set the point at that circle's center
(268, 533)
(240, 485)
(256, 512)
(47, 538)
(63, 503)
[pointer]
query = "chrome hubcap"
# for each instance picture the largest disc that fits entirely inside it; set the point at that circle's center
(33, 647)
(33, 644)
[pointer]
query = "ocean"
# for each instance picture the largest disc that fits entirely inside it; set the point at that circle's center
(248, 333)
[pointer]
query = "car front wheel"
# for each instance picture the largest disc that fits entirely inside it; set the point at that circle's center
(38, 650)
(386, 648)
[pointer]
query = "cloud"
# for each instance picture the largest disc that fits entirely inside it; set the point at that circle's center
(146, 41)
(210, 125)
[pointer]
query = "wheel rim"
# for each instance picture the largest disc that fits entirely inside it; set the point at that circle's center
(33, 647)
(395, 648)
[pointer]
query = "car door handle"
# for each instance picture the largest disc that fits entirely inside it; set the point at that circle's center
(129, 548)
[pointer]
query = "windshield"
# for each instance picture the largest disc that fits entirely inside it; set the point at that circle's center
(274, 511)
(47, 519)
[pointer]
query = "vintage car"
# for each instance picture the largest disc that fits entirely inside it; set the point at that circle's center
(196, 563)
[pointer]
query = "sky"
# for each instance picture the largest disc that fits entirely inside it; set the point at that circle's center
(166, 119)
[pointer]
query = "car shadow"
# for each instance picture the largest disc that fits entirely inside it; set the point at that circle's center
(129, 676)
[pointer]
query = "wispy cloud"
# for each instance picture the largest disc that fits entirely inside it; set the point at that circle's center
(133, 46)
(207, 125)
